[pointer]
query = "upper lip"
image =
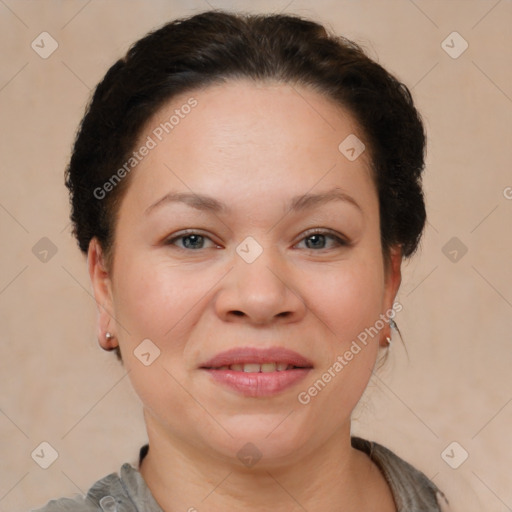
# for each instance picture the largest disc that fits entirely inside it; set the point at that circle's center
(248, 355)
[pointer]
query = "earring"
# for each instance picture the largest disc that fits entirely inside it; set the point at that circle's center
(109, 337)
(392, 325)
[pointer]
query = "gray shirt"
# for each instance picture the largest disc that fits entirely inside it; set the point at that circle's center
(128, 492)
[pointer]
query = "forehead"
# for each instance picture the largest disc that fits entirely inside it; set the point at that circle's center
(251, 136)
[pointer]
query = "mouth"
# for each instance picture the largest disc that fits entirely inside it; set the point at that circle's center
(268, 367)
(257, 360)
(257, 372)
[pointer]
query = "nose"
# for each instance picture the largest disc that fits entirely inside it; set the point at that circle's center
(261, 292)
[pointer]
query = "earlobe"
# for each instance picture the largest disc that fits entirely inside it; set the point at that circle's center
(393, 280)
(102, 289)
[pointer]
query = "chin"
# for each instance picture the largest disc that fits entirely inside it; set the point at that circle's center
(261, 439)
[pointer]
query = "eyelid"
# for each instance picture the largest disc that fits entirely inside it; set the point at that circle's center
(187, 232)
(340, 239)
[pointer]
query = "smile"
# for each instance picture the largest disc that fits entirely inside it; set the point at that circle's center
(257, 372)
(257, 368)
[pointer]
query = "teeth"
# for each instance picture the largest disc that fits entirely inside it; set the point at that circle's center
(252, 368)
(257, 368)
(268, 367)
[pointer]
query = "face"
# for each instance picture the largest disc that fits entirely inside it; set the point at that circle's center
(280, 263)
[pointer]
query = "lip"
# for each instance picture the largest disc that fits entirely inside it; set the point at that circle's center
(254, 384)
(257, 355)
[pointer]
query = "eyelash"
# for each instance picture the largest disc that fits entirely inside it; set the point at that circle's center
(340, 241)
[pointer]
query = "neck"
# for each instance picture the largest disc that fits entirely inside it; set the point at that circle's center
(331, 477)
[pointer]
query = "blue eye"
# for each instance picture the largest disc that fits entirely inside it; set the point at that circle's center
(191, 240)
(319, 238)
(315, 240)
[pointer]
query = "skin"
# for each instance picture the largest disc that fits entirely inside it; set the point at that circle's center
(252, 146)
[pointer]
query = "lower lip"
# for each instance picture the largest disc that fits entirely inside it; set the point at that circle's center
(259, 384)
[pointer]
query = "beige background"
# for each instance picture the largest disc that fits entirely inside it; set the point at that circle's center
(58, 386)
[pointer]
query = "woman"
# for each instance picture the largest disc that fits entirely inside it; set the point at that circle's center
(245, 189)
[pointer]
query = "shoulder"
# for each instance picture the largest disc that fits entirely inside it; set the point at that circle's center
(110, 494)
(78, 504)
(411, 489)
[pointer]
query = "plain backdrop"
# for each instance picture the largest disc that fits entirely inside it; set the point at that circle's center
(455, 385)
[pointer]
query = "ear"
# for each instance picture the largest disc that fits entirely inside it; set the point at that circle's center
(393, 278)
(102, 288)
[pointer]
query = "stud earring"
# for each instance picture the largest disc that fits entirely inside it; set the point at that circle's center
(109, 337)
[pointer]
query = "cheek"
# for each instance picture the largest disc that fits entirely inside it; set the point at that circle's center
(154, 301)
(154, 298)
(349, 305)
(347, 297)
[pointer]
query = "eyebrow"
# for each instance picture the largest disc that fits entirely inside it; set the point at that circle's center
(210, 204)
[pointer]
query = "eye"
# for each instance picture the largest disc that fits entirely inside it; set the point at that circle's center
(318, 238)
(191, 240)
(315, 240)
